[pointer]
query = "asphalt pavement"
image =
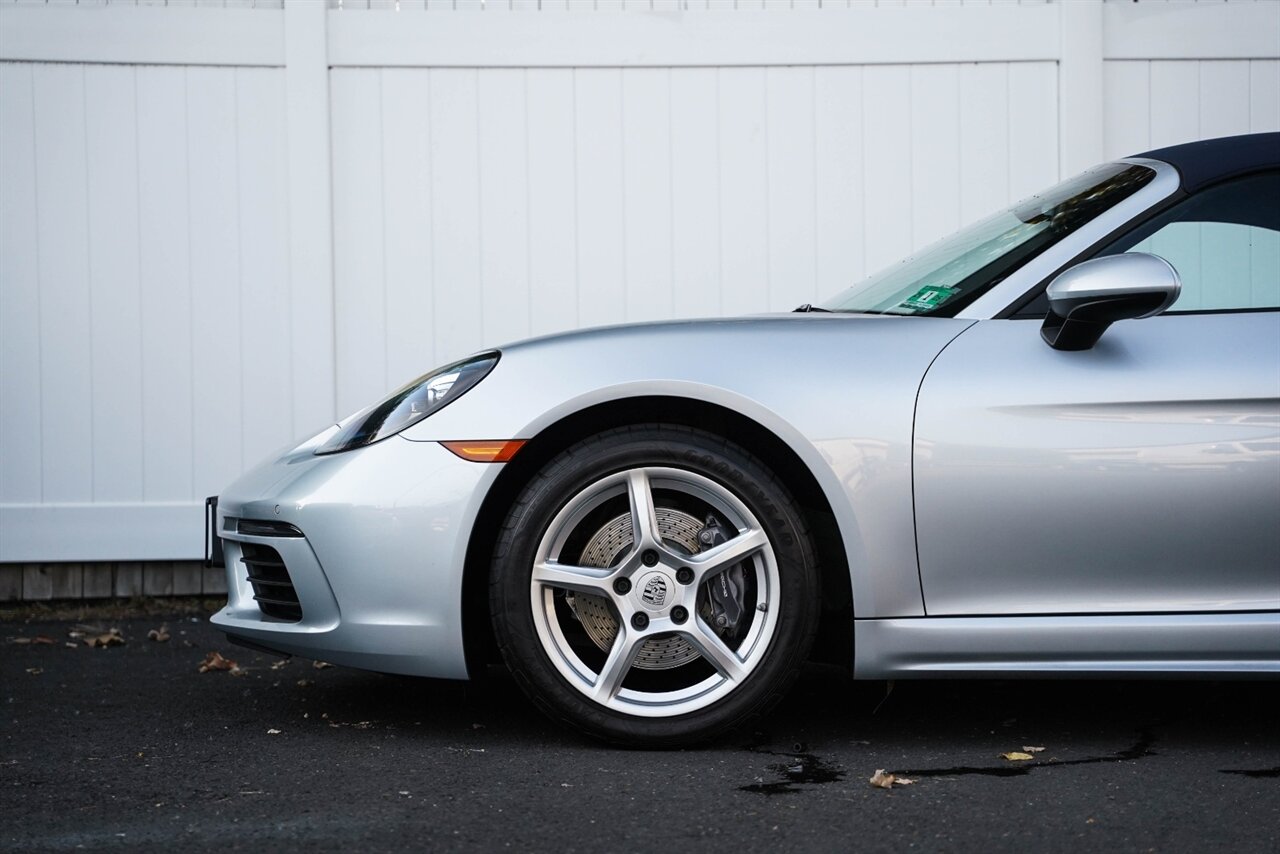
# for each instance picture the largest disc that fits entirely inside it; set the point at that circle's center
(130, 745)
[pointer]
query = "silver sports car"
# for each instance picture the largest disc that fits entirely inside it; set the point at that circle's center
(1047, 445)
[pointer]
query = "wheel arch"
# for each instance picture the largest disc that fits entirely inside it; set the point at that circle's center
(834, 643)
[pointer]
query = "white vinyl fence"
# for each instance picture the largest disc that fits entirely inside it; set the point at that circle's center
(223, 224)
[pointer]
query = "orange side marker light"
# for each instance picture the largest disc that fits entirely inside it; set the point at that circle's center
(485, 451)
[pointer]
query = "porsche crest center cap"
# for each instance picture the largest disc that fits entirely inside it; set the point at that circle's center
(655, 591)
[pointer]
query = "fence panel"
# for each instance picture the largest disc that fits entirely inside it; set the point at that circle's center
(225, 222)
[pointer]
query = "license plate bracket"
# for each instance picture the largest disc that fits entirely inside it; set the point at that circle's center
(212, 542)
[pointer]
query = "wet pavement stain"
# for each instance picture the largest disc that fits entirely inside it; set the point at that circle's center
(1140, 750)
(801, 769)
(1257, 773)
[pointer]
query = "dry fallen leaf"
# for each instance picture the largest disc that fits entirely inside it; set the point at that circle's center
(1032, 749)
(161, 634)
(111, 637)
(1016, 756)
(276, 665)
(882, 779)
(321, 665)
(215, 661)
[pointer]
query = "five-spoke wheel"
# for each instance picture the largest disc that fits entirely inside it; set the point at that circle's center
(654, 585)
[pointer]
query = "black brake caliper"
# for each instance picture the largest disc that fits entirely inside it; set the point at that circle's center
(727, 588)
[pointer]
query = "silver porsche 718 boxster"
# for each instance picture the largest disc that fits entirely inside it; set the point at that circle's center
(1047, 445)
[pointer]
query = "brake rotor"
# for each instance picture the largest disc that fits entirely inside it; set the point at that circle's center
(677, 529)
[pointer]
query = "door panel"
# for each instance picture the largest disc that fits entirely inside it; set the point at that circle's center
(1140, 476)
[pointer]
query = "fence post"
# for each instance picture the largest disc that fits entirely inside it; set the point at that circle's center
(1080, 90)
(310, 211)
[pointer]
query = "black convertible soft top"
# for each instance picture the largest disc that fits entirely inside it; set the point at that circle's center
(1212, 160)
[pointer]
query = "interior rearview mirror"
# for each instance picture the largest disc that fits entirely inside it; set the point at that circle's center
(1087, 298)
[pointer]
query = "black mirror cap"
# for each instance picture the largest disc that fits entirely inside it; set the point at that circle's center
(1087, 319)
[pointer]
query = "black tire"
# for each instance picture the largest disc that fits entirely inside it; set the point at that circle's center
(678, 466)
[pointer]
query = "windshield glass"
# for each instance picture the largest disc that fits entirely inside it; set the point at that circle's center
(953, 272)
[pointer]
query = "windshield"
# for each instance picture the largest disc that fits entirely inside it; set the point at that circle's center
(950, 274)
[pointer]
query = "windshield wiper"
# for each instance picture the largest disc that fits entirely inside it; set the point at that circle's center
(810, 307)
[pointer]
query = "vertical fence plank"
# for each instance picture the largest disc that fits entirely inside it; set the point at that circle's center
(1222, 111)
(128, 581)
(213, 580)
(1264, 95)
(20, 417)
(504, 205)
(935, 153)
(187, 578)
(1080, 86)
(792, 211)
(695, 192)
(111, 124)
(984, 139)
(838, 136)
(217, 327)
(600, 239)
(165, 268)
(455, 213)
(1033, 128)
(66, 581)
(744, 199)
(10, 582)
(266, 345)
(406, 141)
(157, 579)
(646, 168)
(310, 214)
(1175, 102)
(886, 115)
(63, 257)
(37, 581)
(358, 238)
(98, 581)
(1128, 108)
(553, 284)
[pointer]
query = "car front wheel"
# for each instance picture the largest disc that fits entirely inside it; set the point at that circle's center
(654, 586)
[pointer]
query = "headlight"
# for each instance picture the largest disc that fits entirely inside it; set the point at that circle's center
(410, 404)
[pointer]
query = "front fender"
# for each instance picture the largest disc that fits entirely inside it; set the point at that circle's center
(839, 390)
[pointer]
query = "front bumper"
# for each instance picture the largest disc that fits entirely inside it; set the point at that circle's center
(378, 567)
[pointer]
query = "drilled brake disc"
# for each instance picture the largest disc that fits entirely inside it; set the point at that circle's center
(614, 538)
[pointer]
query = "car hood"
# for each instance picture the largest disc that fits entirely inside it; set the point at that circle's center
(795, 365)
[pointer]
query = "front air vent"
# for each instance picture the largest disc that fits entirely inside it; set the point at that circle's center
(266, 528)
(272, 586)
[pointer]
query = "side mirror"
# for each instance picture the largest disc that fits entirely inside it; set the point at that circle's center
(1087, 298)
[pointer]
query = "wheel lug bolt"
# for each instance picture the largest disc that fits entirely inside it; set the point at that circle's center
(679, 614)
(649, 557)
(621, 586)
(684, 575)
(640, 621)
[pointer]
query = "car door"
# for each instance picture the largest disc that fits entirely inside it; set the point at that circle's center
(1139, 476)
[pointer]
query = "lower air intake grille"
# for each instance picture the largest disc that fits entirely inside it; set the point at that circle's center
(272, 587)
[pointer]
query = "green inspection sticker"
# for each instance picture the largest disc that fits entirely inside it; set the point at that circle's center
(929, 297)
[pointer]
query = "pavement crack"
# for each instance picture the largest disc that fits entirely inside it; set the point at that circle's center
(1139, 750)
